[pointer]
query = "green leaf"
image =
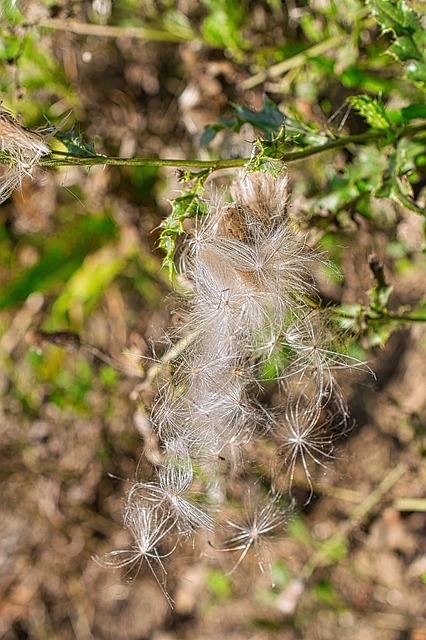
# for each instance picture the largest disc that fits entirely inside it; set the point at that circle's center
(185, 206)
(402, 168)
(416, 71)
(211, 130)
(269, 120)
(268, 165)
(395, 16)
(75, 144)
(303, 134)
(10, 14)
(222, 27)
(373, 111)
(409, 33)
(412, 112)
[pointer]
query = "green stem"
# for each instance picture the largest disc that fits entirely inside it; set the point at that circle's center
(295, 61)
(69, 160)
(398, 318)
(111, 31)
(358, 138)
(364, 315)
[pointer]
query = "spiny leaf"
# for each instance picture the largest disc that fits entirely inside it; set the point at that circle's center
(185, 206)
(372, 110)
(410, 35)
(75, 144)
(397, 16)
(269, 120)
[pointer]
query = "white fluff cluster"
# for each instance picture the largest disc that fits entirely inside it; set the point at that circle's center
(22, 149)
(252, 279)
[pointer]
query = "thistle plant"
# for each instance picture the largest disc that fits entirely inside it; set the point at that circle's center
(251, 282)
(253, 313)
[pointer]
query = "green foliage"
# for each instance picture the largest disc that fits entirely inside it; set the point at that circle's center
(75, 145)
(89, 281)
(373, 111)
(383, 163)
(268, 121)
(222, 27)
(409, 36)
(11, 13)
(347, 118)
(62, 257)
(219, 585)
(188, 205)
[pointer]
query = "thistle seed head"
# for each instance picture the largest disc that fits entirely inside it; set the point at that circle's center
(22, 148)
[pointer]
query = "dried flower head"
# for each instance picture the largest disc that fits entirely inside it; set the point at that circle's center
(261, 522)
(147, 528)
(305, 433)
(172, 497)
(22, 149)
(252, 276)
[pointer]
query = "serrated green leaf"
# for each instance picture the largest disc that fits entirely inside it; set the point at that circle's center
(372, 110)
(269, 121)
(302, 133)
(185, 206)
(405, 49)
(268, 165)
(75, 144)
(409, 33)
(397, 16)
